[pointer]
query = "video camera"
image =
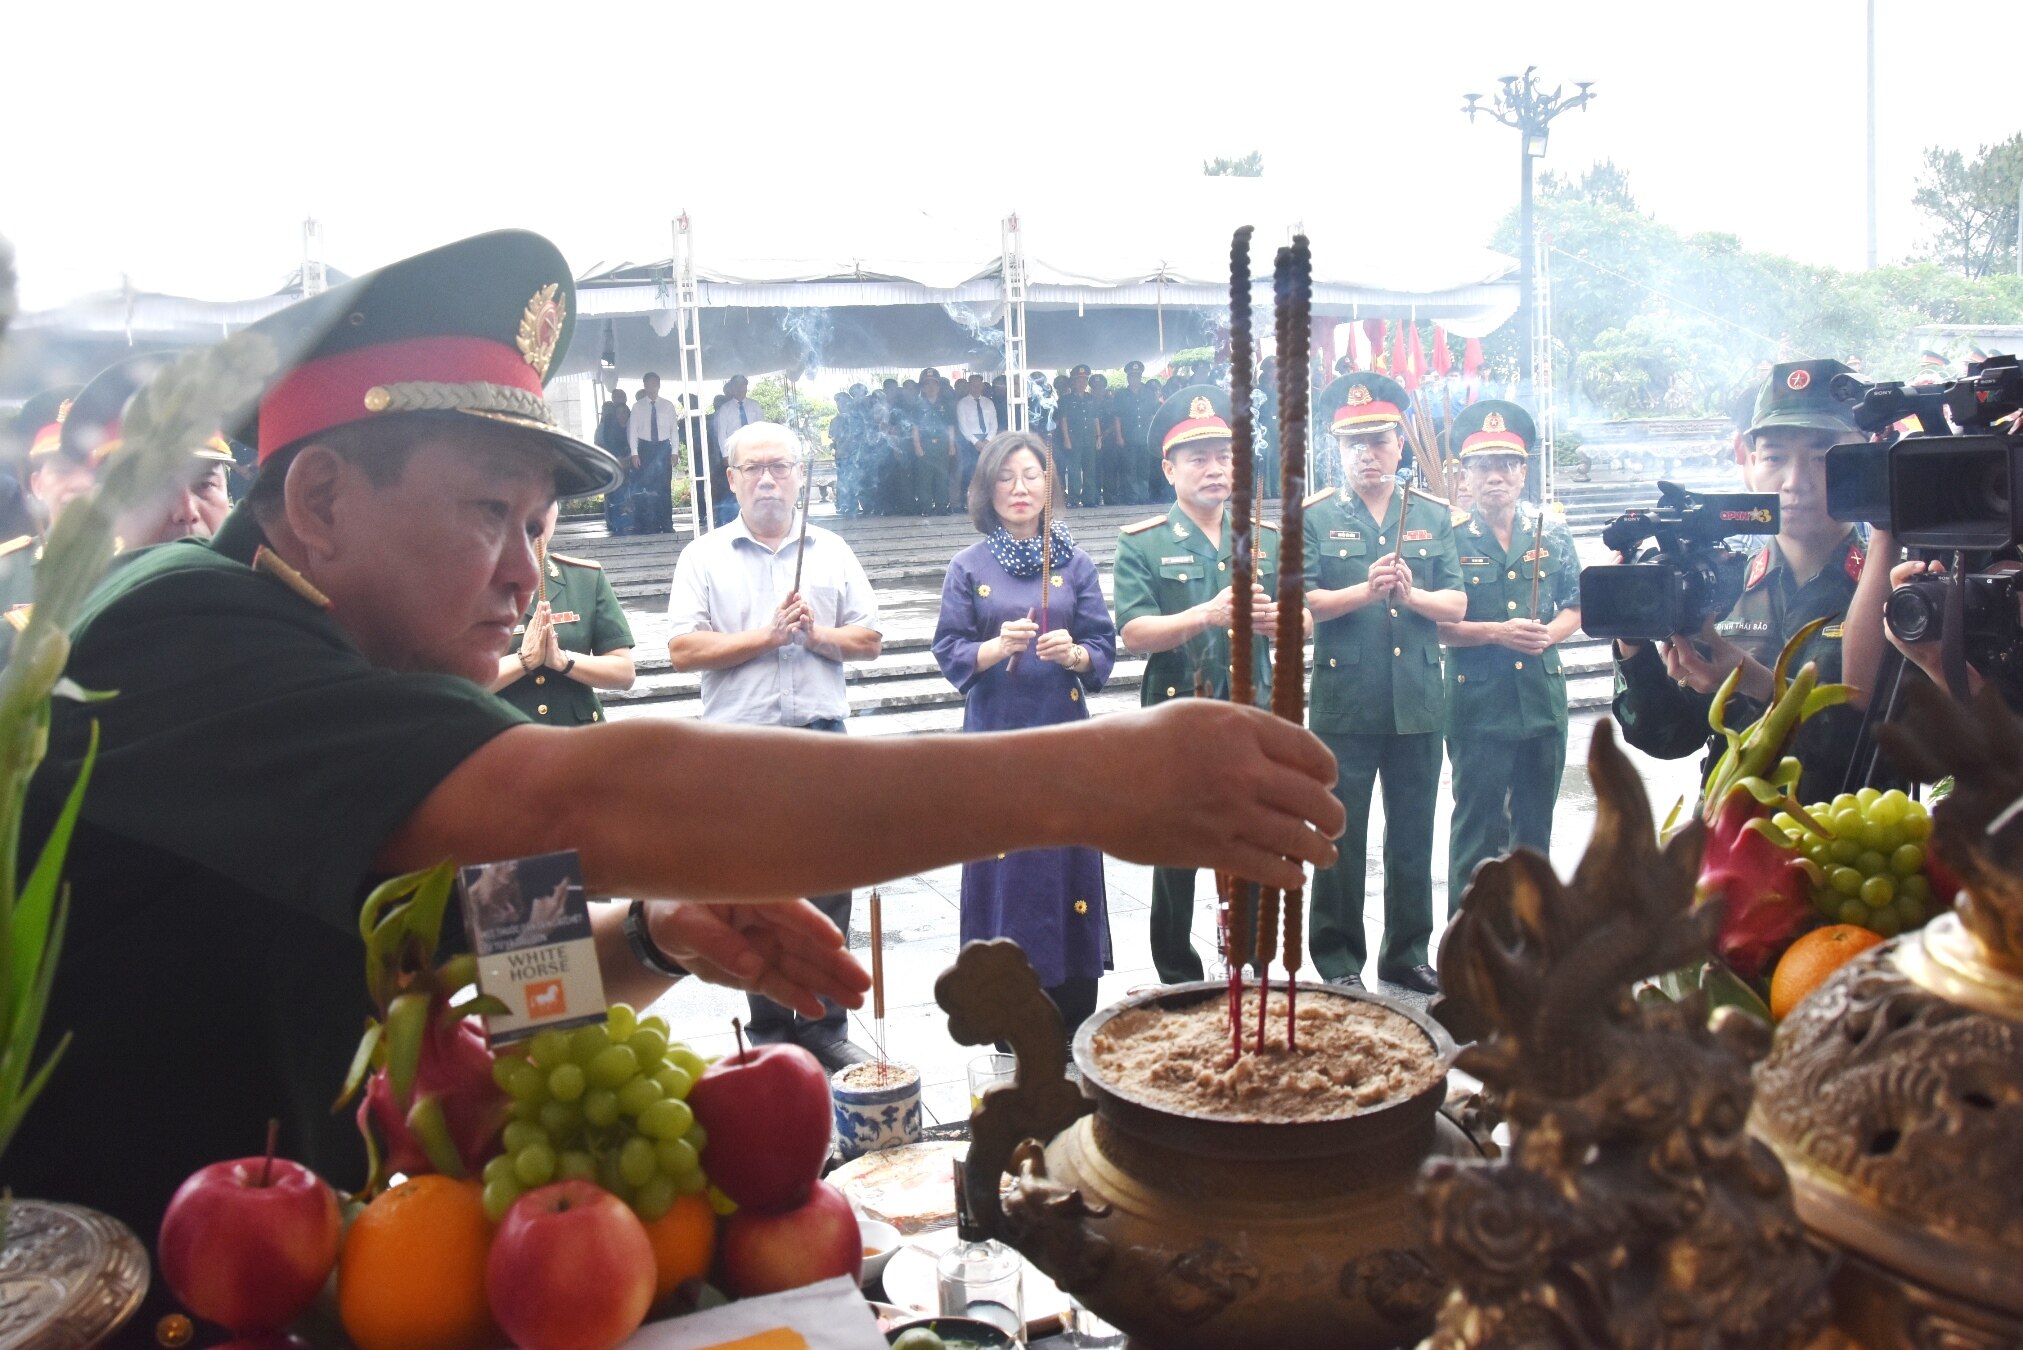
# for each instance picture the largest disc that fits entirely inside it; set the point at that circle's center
(1691, 576)
(1958, 497)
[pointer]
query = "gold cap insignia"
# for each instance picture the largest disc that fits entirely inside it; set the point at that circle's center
(63, 411)
(1360, 393)
(1493, 422)
(541, 328)
(1201, 407)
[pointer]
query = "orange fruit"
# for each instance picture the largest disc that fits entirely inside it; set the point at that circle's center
(412, 1272)
(1811, 959)
(684, 1243)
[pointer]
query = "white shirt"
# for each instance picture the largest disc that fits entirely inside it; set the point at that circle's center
(728, 582)
(735, 413)
(976, 418)
(648, 416)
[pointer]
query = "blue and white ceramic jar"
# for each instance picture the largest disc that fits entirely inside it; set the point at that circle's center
(877, 1107)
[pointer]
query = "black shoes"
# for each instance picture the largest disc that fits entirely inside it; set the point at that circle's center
(1419, 979)
(838, 1054)
(1350, 981)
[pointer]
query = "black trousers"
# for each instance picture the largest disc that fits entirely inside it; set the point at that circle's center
(774, 1022)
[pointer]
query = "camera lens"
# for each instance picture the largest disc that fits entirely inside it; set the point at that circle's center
(1916, 610)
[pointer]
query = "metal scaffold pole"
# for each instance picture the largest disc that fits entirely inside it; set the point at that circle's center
(688, 330)
(1013, 254)
(1542, 366)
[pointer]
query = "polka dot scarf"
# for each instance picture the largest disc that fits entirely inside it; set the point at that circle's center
(1023, 557)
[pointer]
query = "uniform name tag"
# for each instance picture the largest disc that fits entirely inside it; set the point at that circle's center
(1414, 536)
(1742, 626)
(1183, 558)
(1476, 562)
(1354, 535)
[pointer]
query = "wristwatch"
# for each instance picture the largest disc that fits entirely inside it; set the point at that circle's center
(644, 949)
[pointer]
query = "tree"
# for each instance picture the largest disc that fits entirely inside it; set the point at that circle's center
(1249, 166)
(1972, 204)
(1603, 184)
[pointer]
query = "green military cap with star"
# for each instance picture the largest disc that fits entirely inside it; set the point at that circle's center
(1494, 426)
(1800, 394)
(1194, 415)
(469, 330)
(92, 431)
(1363, 401)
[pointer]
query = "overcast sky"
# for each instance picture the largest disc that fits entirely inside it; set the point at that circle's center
(183, 144)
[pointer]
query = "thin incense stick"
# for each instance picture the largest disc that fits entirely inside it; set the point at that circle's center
(1238, 937)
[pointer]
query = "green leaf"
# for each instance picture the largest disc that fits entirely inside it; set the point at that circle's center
(406, 1026)
(458, 973)
(361, 1065)
(28, 935)
(1726, 989)
(432, 1131)
(484, 1005)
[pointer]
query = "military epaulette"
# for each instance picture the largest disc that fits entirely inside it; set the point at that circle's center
(1318, 497)
(1458, 518)
(1140, 526)
(577, 562)
(15, 545)
(1271, 525)
(17, 617)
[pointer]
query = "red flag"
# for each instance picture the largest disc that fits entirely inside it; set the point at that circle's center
(1354, 352)
(1373, 329)
(1443, 359)
(1471, 358)
(1418, 361)
(1323, 346)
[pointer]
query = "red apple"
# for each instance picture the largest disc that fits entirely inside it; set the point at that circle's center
(248, 1247)
(768, 1115)
(764, 1252)
(571, 1268)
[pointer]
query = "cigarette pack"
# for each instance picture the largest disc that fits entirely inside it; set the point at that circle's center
(529, 924)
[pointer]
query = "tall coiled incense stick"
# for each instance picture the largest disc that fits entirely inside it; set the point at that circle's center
(1237, 933)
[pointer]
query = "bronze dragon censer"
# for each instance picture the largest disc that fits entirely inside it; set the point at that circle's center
(1894, 1094)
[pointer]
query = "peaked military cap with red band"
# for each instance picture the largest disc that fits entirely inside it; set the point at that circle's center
(92, 430)
(1194, 415)
(39, 423)
(1363, 400)
(472, 329)
(1493, 426)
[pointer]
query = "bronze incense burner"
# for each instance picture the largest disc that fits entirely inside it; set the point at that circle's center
(1185, 1230)
(1894, 1094)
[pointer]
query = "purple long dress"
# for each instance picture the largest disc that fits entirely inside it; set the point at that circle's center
(1050, 901)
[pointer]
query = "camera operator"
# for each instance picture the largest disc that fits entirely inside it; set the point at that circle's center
(1807, 571)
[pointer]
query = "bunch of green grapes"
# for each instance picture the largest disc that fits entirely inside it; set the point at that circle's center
(605, 1103)
(1870, 870)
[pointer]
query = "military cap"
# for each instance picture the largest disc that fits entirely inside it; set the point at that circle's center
(1190, 416)
(470, 328)
(1078, 370)
(1933, 357)
(1134, 367)
(92, 430)
(1800, 394)
(1494, 427)
(39, 422)
(1363, 400)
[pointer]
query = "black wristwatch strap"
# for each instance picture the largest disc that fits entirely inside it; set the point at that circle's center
(644, 950)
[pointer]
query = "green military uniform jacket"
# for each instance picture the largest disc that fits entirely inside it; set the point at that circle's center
(1492, 690)
(1661, 718)
(587, 619)
(18, 557)
(1165, 565)
(1376, 669)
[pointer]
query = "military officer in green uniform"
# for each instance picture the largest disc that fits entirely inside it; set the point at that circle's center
(572, 641)
(1171, 587)
(1135, 405)
(1807, 571)
(1506, 693)
(1381, 576)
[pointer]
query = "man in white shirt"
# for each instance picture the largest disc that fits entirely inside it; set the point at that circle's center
(975, 423)
(650, 438)
(736, 411)
(771, 655)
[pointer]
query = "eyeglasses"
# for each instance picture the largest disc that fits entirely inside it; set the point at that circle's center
(771, 468)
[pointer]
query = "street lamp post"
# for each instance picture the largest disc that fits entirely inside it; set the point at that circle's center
(1524, 105)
